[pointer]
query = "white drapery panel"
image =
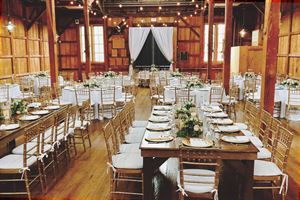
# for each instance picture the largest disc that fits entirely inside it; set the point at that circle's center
(137, 39)
(164, 39)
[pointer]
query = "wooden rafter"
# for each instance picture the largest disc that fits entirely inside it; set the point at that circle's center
(189, 26)
(39, 14)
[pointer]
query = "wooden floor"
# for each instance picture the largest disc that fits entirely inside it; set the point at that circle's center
(87, 176)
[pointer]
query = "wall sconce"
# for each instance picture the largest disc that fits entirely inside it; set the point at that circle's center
(243, 33)
(10, 26)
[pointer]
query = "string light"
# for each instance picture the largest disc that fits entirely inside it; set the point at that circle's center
(195, 12)
(159, 8)
(141, 8)
(97, 1)
(120, 5)
(197, 5)
(71, 2)
(175, 21)
(185, 17)
(191, 15)
(178, 4)
(178, 13)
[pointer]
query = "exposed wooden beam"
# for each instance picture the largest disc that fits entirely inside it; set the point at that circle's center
(228, 43)
(51, 26)
(210, 37)
(67, 23)
(270, 49)
(189, 26)
(37, 17)
(87, 37)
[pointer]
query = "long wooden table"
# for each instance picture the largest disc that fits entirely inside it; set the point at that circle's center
(8, 137)
(155, 154)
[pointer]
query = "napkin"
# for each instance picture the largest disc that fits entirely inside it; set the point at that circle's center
(242, 126)
(232, 128)
(160, 126)
(236, 139)
(197, 142)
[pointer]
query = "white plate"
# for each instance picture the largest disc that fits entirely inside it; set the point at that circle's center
(218, 115)
(229, 129)
(197, 142)
(236, 139)
(242, 126)
(160, 113)
(34, 105)
(158, 127)
(7, 127)
(159, 119)
(226, 121)
(164, 108)
(52, 107)
(211, 109)
(29, 117)
(159, 137)
(40, 112)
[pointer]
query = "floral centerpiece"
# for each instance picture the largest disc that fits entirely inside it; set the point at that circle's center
(249, 75)
(176, 74)
(189, 123)
(290, 83)
(194, 84)
(41, 74)
(91, 84)
(153, 68)
(110, 74)
(18, 106)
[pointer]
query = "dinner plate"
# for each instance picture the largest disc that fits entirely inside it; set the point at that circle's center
(163, 108)
(29, 117)
(40, 112)
(34, 105)
(236, 139)
(242, 126)
(218, 115)
(7, 127)
(160, 113)
(229, 129)
(159, 119)
(55, 107)
(197, 142)
(225, 121)
(159, 137)
(211, 109)
(158, 127)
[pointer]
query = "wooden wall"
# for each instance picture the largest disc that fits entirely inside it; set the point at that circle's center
(22, 51)
(289, 41)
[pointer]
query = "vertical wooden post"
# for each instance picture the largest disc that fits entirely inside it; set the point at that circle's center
(106, 54)
(210, 36)
(87, 37)
(201, 39)
(51, 26)
(270, 49)
(228, 43)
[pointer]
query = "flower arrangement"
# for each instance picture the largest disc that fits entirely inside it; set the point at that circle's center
(91, 84)
(110, 74)
(153, 68)
(176, 74)
(290, 83)
(41, 74)
(193, 84)
(191, 127)
(249, 75)
(18, 106)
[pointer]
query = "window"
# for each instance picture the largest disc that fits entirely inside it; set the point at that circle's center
(97, 39)
(218, 42)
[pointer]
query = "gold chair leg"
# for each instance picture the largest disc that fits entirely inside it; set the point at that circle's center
(27, 185)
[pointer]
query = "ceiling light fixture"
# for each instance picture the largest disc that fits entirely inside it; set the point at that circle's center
(120, 5)
(141, 8)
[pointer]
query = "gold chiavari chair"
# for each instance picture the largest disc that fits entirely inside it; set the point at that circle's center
(273, 173)
(71, 126)
(27, 87)
(124, 167)
(215, 94)
(83, 124)
(164, 100)
(82, 94)
(154, 95)
(108, 102)
(131, 112)
(16, 165)
(183, 95)
(199, 171)
(293, 103)
(229, 102)
(45, 94)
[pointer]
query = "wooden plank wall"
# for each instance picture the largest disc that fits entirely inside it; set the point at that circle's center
(22, 51)
(289, 41)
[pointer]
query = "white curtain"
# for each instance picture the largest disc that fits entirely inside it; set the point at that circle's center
(164, 39)
(137, 39)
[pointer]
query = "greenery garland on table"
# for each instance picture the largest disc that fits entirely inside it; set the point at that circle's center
(110, 74)
(18, 106)
(41, 74)
(194, 84)
(176, 74)
(290, 83)
(190, 125)
(250, 75)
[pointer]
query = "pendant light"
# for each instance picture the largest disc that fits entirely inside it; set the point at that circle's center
(243, 32)
(10, 26)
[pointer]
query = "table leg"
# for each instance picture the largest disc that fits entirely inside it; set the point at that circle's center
(248, 180)
(148, 175)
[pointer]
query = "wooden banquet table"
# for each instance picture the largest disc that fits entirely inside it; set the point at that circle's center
(155, 154)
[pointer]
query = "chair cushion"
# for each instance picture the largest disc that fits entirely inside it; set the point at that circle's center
(20, 149)
(127, 161)
(139, 123)
(263, 153)
(14, 161)
(137, 130)
(133, 138)
(130, 148)
(266, 168)
(198, 175)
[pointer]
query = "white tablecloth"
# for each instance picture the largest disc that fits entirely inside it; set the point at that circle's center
(68, 95)
(13, 92)
(47, 83)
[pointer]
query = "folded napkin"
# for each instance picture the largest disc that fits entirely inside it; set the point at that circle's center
(217, 115)
(236, 139)
(159, 119)
(160, 126)
(242, 126)
(232, 128)
(197, 142)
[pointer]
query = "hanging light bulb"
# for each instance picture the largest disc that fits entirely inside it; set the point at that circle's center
(141, 8)
(10, 26)
(159, 8)
(120, 5)
(243, 33)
